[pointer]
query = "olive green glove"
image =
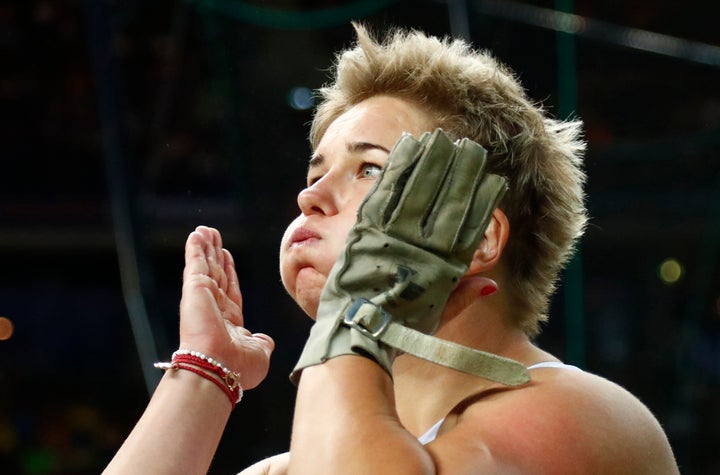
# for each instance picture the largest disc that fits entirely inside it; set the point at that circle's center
(415, 235)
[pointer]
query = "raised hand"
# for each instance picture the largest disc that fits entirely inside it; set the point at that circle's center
(211, 318)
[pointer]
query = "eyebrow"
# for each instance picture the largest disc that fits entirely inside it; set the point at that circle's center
(353, 147)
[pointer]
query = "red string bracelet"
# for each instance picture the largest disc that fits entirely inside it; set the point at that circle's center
(189, 360)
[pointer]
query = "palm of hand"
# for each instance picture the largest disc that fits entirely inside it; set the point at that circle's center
(211, 319)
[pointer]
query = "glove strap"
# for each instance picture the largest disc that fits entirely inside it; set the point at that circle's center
(375, 323)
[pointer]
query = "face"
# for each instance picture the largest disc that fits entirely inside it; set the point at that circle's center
(342, 171)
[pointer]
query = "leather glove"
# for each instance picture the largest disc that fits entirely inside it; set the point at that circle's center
(415, 235)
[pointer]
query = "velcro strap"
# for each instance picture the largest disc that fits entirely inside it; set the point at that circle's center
(375, 323)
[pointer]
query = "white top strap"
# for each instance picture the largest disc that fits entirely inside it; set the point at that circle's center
(553, 364)
(431, 433)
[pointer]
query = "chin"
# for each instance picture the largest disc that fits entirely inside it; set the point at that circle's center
(306, 289)
(308, 302)
(310, 309)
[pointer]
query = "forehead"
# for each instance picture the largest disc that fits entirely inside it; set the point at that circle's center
(380, 120)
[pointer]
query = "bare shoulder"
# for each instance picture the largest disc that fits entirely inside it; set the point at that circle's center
(275, 465)
(564, 421)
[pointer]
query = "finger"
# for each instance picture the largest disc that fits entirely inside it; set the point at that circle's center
(217, 246)
(199, 313)
(266, 342)
(200, 269)
(424, 185)
(208, 236)
(231, 309)
(203, 269)
(486, 200)
(450, 211)
(195, 256)
(233, 286)
(258, 349)
(215, 257)
(211, 238)
(217, 271)
(383, 199)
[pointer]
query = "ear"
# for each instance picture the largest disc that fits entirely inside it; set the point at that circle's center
(492, 245)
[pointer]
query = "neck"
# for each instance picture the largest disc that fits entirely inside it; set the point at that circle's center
(477, 322)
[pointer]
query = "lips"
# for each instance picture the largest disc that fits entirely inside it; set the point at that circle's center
(303, 236)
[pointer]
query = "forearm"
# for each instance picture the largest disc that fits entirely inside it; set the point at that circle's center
(179, 431)
(345, 422)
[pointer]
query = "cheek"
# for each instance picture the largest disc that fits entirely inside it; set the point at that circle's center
(286, 276)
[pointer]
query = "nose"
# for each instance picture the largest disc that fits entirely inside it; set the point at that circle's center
(318, 199)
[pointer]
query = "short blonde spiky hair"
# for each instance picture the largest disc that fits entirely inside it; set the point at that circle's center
(472, 95)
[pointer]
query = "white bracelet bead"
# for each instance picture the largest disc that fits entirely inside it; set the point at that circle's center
(232, 378)
(202, 356)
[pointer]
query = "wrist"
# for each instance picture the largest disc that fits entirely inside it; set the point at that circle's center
(207, 368)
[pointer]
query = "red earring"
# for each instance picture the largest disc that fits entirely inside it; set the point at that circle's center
(489, 289)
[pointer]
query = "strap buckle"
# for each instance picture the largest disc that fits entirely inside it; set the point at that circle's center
(368, 318)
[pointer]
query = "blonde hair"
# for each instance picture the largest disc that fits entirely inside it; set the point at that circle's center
(473, 95)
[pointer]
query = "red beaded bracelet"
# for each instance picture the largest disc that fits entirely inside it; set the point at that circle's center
(190, 360)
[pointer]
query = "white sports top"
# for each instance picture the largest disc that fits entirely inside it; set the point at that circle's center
(432, 432)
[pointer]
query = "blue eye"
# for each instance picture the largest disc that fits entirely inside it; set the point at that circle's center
(370, 170)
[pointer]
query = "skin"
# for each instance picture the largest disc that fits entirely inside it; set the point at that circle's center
(351, 417)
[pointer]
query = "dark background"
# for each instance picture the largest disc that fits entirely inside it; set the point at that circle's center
(127, 123)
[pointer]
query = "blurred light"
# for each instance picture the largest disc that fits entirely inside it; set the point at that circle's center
(670, 271)
(6, 328)
(643, 40)
(301, 98)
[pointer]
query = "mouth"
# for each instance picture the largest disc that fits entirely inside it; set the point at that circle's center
(303, 236)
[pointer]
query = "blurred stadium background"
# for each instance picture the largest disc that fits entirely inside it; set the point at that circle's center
(127, 123)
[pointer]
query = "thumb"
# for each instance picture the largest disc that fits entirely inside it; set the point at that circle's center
(265, 342)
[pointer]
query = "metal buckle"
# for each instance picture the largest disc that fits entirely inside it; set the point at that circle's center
(364, 321)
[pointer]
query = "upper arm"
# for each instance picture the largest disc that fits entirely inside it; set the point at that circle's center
(578, 424)
(275, 465)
